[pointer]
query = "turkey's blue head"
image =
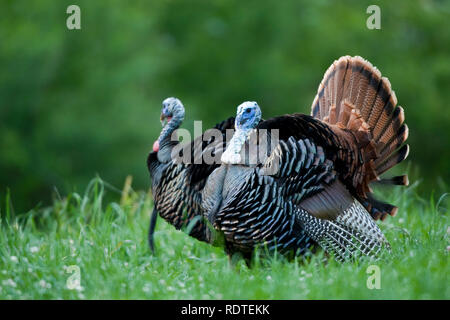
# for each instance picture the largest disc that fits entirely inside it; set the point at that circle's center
(172, 114)
(172, 108)
(248, 116)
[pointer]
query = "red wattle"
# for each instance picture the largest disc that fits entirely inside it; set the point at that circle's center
(156, 146)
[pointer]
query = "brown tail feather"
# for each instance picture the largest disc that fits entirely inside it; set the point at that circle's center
(397, 157)
(385, 117)
(379, 209)
(395, 143)
(398, 180)
(354, 98)
(397, 119)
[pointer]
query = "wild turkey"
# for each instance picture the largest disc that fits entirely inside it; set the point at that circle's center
(314, 185)
(177, 185)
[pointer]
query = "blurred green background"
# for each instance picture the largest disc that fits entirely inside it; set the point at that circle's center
(78, 103)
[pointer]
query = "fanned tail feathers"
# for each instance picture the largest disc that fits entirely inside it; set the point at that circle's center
(354, 98)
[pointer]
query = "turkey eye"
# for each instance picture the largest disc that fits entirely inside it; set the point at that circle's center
(247, 110)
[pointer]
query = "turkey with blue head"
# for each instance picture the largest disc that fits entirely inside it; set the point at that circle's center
(177, 185)
(312, 185)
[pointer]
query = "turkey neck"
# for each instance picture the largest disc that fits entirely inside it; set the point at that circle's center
(234, 148)
(167, 139)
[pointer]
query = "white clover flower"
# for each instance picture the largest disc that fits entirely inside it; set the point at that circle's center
(146, 288)
(14, 259)
(9, 282)
(34, 249)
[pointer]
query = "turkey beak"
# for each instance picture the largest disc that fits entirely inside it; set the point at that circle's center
(163, 120)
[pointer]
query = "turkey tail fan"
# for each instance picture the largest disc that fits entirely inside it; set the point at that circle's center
(354, 97)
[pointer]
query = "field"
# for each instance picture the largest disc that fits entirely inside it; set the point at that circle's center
(41, 252)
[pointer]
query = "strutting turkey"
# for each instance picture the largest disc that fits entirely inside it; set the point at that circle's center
(313, 187)
(177, 186)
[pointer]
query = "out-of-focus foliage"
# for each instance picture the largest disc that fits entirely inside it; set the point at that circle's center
(77, 103)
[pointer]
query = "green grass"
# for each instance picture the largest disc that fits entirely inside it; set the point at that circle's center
(108, 242)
